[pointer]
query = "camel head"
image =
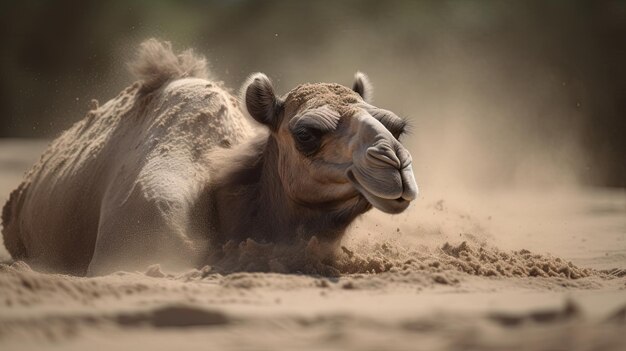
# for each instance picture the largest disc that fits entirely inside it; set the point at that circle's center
(334, 147)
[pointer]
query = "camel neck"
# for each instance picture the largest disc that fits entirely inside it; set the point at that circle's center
(250, 202)
(248, 198)
(276, 212)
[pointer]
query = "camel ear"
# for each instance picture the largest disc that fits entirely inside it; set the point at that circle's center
(260, 101)
(363, 86)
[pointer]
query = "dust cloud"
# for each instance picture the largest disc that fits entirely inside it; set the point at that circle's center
(515, 113)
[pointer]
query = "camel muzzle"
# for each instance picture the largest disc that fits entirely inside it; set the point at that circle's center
(383, 155)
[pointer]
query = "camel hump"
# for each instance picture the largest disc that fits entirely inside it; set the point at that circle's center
(156, 63)
(10, 225)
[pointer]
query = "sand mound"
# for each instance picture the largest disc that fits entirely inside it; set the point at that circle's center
(244, 266)
(523, 263)
(316, 258)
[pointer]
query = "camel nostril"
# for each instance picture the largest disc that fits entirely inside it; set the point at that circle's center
(384, 154)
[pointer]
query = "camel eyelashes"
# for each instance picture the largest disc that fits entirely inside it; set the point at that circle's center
(406, 126)
(398, 127)
(394, 124)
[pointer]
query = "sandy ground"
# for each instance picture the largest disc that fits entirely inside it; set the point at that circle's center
(520, 270)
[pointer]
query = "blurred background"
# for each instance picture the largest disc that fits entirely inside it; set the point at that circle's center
(500, 94)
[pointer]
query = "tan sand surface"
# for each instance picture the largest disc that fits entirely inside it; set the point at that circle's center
(515, 270)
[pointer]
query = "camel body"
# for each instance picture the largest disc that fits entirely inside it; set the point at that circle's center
(170, 170)
(120, 185)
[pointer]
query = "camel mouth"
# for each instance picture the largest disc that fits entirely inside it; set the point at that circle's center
(391, 206)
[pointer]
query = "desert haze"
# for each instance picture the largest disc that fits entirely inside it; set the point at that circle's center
(470, 196)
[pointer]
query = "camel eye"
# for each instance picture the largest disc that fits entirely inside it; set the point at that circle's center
(307, 140)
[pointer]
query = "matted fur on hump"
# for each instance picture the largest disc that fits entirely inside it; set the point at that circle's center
(156, 63)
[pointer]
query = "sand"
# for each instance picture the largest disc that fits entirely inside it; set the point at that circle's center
(520, 270)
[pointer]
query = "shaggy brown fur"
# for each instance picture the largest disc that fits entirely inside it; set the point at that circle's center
(157, 63)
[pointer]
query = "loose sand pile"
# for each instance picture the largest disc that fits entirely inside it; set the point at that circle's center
(385, 264)
(314, 258)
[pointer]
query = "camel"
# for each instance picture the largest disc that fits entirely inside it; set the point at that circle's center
(176, 165)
